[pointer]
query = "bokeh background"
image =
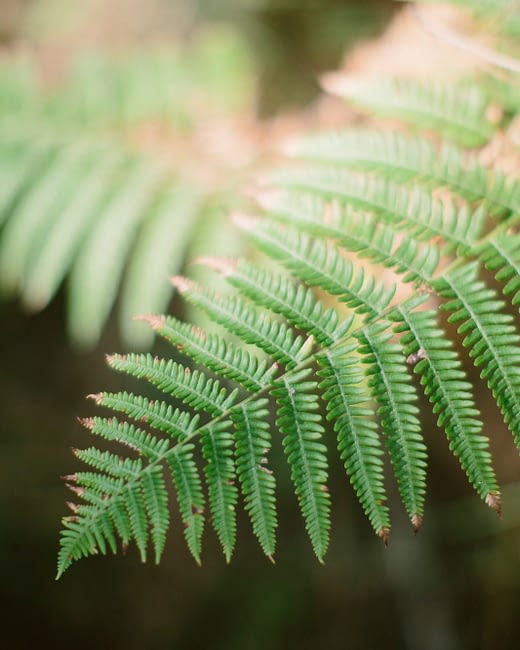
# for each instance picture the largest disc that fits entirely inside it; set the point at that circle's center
(456, 585)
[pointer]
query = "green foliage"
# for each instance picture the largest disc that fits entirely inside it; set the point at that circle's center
(99, 188)
(370, 238)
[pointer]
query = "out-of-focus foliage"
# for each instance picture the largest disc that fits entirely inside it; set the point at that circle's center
(106, 178)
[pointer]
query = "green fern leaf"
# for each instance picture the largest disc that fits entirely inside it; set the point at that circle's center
(391, 387)
(412, 210)
(490, 335)
(349, 410)
(220, 476)
(156, 503)
(323, 266)
(190, 496)
(306, 454)
(295, 302)
(214, 352)
(427, 349)
(253, 442)
(190, 386)
(156, 414)
(407, 159)
(249, 324)
(501, 254)
(368, 238)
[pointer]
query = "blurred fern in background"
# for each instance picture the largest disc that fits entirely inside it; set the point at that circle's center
(110, 175)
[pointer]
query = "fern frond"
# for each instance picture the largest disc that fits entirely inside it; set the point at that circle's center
(301, 426)
(214, 352)
(295, 302)
(430, 353)
(190, 496)
(217, 441)
(153, 413)
(412, 210)
(366, 237)
(253, 442)
(457, 113)
(366, 198)
(501, 254)
(392, 389)
(407, 159)
(348, 408)
(490, 335)
(251, 325)
(323, 266)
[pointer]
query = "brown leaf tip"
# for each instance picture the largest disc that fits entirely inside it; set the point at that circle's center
(97, 397)
(494, 501)
(181, 283)
(88, 423)
(80, 491)
(155, 321)
(416, 523)
(384, 534)
(220, 265)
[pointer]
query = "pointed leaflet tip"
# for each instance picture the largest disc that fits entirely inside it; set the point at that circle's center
(494, 501)
(156, 322)
(384, 533)
(80, 491)
(416, 523)
(220, 265)
(88, 423)
(181, 283)
(97, 397)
